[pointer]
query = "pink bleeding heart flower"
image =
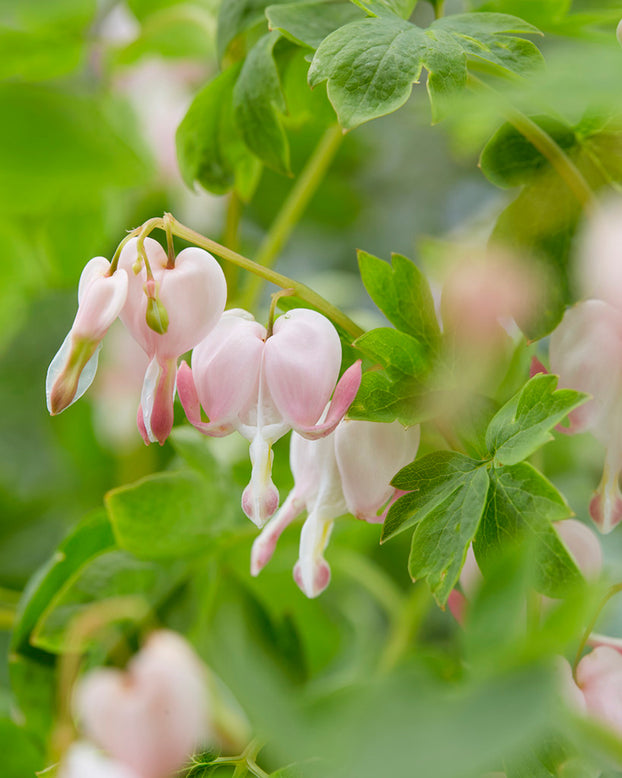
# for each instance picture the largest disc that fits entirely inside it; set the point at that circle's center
(347, 471)
(151, 717)
(101, 297)
(264, 386)
(597, 688)
(191, 296)
(82, 760)
(586, 353)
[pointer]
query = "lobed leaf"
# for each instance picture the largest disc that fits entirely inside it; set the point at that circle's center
(308, 23)
(441, 539)
(524, 423)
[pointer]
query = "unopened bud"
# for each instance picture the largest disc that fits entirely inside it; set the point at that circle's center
(157, 317)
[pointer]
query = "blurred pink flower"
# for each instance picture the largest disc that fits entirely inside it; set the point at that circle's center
(264, 386)
(193, 294)
(82, 760)
(596, 689)
(348, 471)
(100, 299)
(151, 717)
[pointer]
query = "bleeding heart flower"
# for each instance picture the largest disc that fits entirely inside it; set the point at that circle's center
(187, 301)
(82, 760)
(597, 687)
(264, 386)
(347, 471)
(151, 717)
(100, 299)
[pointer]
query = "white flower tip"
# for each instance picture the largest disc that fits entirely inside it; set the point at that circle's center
(312, 580)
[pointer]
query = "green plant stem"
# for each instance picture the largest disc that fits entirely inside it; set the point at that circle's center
(439, 9)
(611, 592)
(300, 290)
(292, 209)
(543, 142)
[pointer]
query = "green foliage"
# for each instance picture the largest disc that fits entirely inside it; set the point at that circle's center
(523, 424)
(20, 757)
(258, 103)
(371, 65)
(308, 23)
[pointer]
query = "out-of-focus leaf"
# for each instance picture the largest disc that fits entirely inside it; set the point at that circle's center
(308, 23)
(401, 8)
(57, 147)
(371, 65)
(34, 689)
(169, 515)
(210, 148)
(258, 103)
(383, 399)
(521, 506)
(72, 15)
(441, 539)
(37, 56)
(20, 756)
(524, 423)
(238, 16)
(91, 537)
(111, 574)
(429, 481)
(402, 293)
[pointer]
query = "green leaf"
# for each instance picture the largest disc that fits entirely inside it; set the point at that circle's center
(441, 539)
(236, 17)
(169, 515)
(20, 756)
(91, 537)
(308, 23)
(210, 148)
(509, 159)
(402, 293)
(258, 102)
(430, 480)
(37, 56)
(382, 399)
(371, 65)
(521, 505)
(109, 575)
(61, 15)
(524, 423)
(398, 352)
(401, 8)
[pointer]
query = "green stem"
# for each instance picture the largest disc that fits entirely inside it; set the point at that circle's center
(170, 245)
(543, 142)
(439, 8)
(292, 209)
(611, 592)
(300, 290)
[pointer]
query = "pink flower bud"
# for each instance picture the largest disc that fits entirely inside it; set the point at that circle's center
(100, 299)
(344, 471)
(185, 302)
(599, 677)
(151, 717)
(84, 761)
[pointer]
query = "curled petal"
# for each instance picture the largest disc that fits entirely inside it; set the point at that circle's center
(156, 400)
(583, 545)
(190, 401)
(345, 393)
(70, 373)
(265, 543)
(260, 499)
(301, 366)
(368, 455)
(312, 572)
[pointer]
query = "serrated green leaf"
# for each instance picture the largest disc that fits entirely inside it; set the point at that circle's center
(402, 293)
(441, 539)
(430, 480)
(258, 103)
(381, 399)
(525, 422)
(399, 353)
(210, 149)
(308, 23)
(521, 505)
(168, 515)
(509, 159)
(372, 64)
(91, 537)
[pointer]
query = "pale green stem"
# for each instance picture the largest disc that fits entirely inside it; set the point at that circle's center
(292, 209)
(611, 592)
(543, 142)
(272, 313)
(300, 290)
(439, 9)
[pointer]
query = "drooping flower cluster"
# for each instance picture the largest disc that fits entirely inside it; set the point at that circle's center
(142, 723)
(586, 352)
